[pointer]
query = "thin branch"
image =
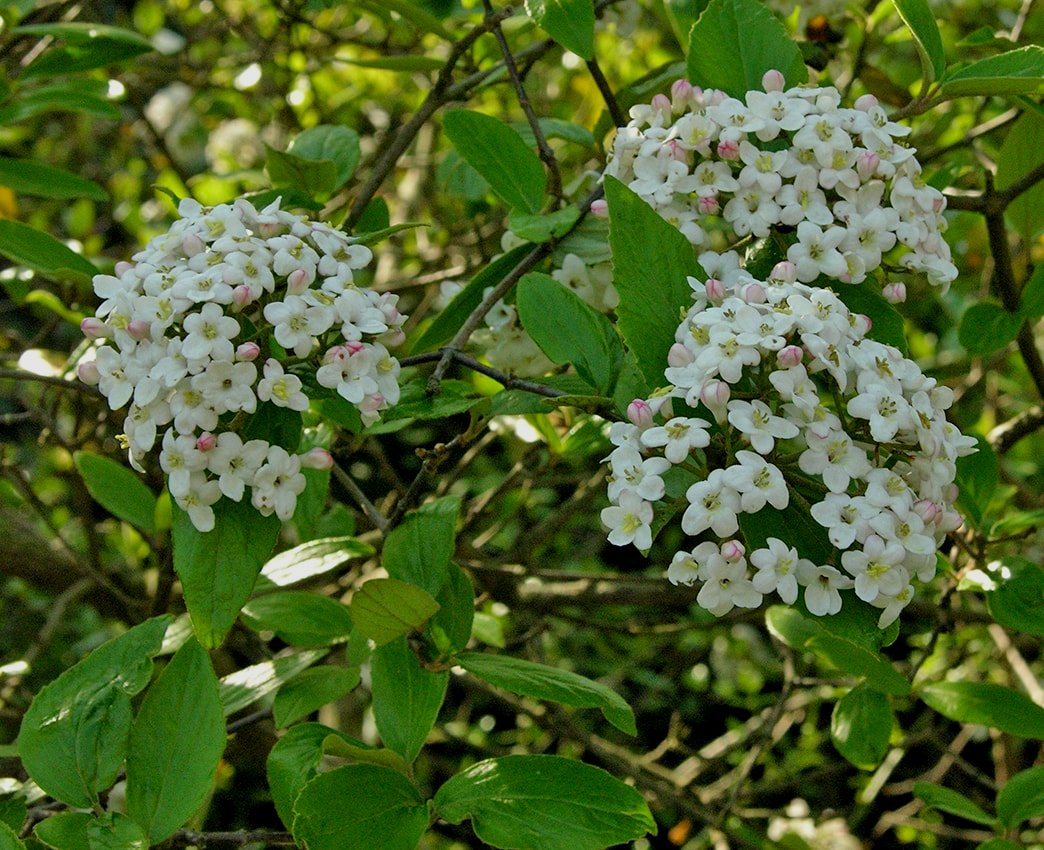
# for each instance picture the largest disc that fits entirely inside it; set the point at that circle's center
(619, 119)
(368, 507)
(996, 201)
(191, 838)
(51, 380)
(1007, 434)
(509, 381)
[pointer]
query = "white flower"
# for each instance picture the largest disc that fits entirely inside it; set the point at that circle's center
(821, 588)
(179, 459)
(777, 569)
(629, 521)
(877, 568)
(630, 471)
(210, 334)
(727, 586)
(677, 437)
(283, 390)
(832, 455)
(297, 323)
(712, 504)
(885, 411)
(815, 253)
(758, 482)
(755, 420)
(197, 499)
(278, 483)
(235, 462)
(227, 386)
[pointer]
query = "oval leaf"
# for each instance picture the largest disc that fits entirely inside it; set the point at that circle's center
(857, 661)
(861, 725)
(246, 686)
(1022, 798)
(42, 253)
(310, 691)
(43, 181)
(386, 608)
(406, 698)
(420, 548)
(1018, 601)
(1015, 72)
(569, 22)
(953, 802)
(339, 145)
(917, 15)
(118, 490)
(313, 559)
(299, 618)
(987, 327)
(987, 704)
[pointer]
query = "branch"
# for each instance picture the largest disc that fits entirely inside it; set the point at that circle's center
(509, 381)
(1007, 434)
(51, 380)
(190, 838)
(368, 507)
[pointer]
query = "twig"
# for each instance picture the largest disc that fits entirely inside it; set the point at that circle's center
(1007, 434)
(190, 838)
(368, 507)
(508, 381)
(64, 383)
(619, 119)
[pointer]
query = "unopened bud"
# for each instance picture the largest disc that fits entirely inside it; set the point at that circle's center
(678, 153)
(895, 293)
(708, 205)
(862, 323)
(394, 338)
(728, 149)
(753, 293)
(661, 103)
(715, 290)
(773, 81)
(138, 329)
(600, 208)
(783, 272)
(715, 396)
(866, 102)
(242, 295)
(790, 356)
(93, 328)
(679, 355)
(681, 95)
(122, 267)
(371, 403)
(248, 351)
(640, 413)
(192, 245)
(317, 458)
(206, 441)
(950, 521)
(353, 346)
(297, 281)
(928, 511)
(87, 371)
(866, 165)
(732, 550)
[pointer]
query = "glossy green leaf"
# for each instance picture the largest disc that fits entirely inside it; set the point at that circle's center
(1022, 797)
(339, 145)
(44, 181)
(735, 42)
(311, 690)
(540, 228)
(9, 839)
(218, 568)
(569, 22)
(77, 32)
(498, 153)
(386, 608)
(115, 831)
(987, 327)
(569, 331)
(652, 262)
(406, 698)
(175, 744)
(952, 802)
(987, 704)
(414, 403)
(89, 47)
(888, 326)
(1031, 299)
(313, 558)
(682, 14)
(420, 548)
(451, 626)
(861, 725)
(794, 525)
(117, 489)
(316, 177)
(73, 738)
(1018, 601)
(13, 809)
(294, 762)
(247, 686)
(42, 253)
(360, 805)
(1020, 153)
(877, 672)
(299, 617)
(334, 746)
(918, 16)
(413, 13)
(535, 802)
(1018, 71)
(542, 682)
(977, 477)
(65, 831)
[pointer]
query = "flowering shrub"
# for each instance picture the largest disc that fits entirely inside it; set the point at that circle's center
(188, 322)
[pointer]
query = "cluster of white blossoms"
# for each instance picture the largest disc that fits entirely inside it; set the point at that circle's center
(788, 403)
(227, 310)
(791, 161)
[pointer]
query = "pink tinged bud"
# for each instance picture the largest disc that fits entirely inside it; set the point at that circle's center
(866, 165)
(773, 81)
(732, 550)
(708, 205)
(713, 97)
(950, 521)
(395, 337)
(679, 356)
(88, 372)
(728, 149)
(939, 203)
(866, 102)
(715, 395)
(600, 208)
(354, 347)
(122, 267)
(677, 151)
(790, 356)
(138, 329)
(317, 458)
(191, 245)
(753, 293)
(336, 354)
(93, 328)
(784, 272)
(206, 441)
(372, 403)
(862, 324)
(297, 281)
(928, 511)
(268, 229)
(894, 293)
(661, 103)
(950, 493)
(681, 90)
(640, 413)
(715, 290)
(248, 351)
(242, 295)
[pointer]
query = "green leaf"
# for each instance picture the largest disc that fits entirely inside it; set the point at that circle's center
(450, 320)
(977, 478)
(735, 42)
(999, 844)
(43, 181)
(406, 698)
(247, 686)
(360, 805)
(414, 403)
(294, 762)
(540, 228)
(1015, 72)
(1020, 153)
(569, 331)
(420, 548)
(313, 558)
(918, 16)
(372, 237)
(316, 177)
(569, 22)
(1022, 798)
(544, 803)
(887, 327)
(310, 691)
(42, 253)
(326, 142)
(386, 608)
(987, 327)
(411, 11)
(494, 150)
(451, 626)
(65, 831)
(952, 802)
(73, 738)
(861, 725)
(1018, 601)
(652, 262)
(793, 525)
(87, 97)
(856, 623)
(682, 14)
(115, 831)
(175, 744)
(542, 682)
(1031, 299)
(556, 128)
(84, 33)
(9, 839)
(311, 502)
(280, 426)
(987, 704)
(299, 617)
(218, 568)
(91, 46)
(13, 808)
(857, 661)
(118, 490)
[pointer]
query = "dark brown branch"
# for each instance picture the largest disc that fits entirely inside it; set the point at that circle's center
(1007, 434)
(190, 838)
(51, 380)
(619, 119)
(509, 381)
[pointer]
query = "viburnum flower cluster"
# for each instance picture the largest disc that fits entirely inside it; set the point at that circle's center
(837, 180)
(230, 308)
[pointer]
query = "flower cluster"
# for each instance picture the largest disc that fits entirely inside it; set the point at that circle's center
(791, 161)
(187, 324)
(786, 403)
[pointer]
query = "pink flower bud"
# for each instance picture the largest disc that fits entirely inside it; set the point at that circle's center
(866, 165)
(138, 329)
(336, 354)
(206, 441)
(88, 372)
(93, 328)
(928, 511)
(713, 97)
(732, 550)
(715, 395)
(268, 229)
(866, 102)
(950, 521)
(790, 356)
(753, 293)
(950, 493)
(661, 103)
(122, 267)
(248, 351)
(640, 413)
(862, 323)
(783, 272)
(773, 81)
(192, 245)
(600, 208)
(297, 281)
(679, 356)
(728, 149)
(353, 346)
(678, 153)
(242, 295)
(939, 203)
(371, 404)
(394, 338)
(895, 293)
(317, 458)
(715, 290)
(681, 93)
(708, 205)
